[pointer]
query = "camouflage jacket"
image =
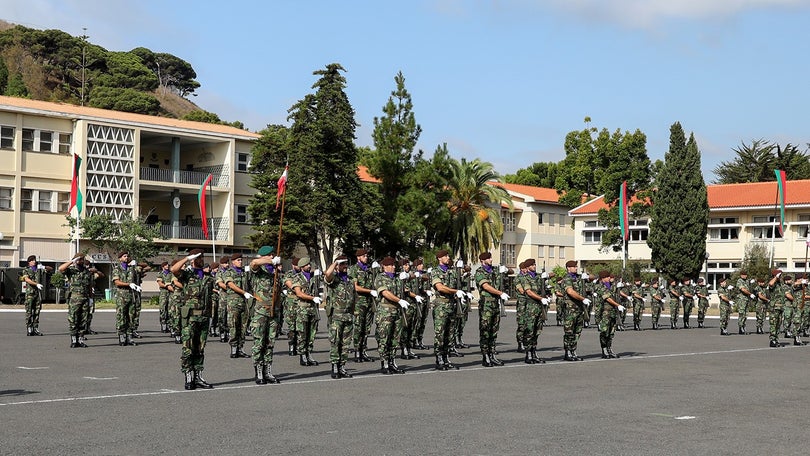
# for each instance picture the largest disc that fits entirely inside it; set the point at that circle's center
(340, 293)
(391, 283)
(482, 276)
(80, 282)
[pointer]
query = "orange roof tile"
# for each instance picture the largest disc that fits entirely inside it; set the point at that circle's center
(84, 112)
(362, 173)
(537, 193)
(723, 196)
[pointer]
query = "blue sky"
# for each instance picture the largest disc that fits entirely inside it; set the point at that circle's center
(503, 81)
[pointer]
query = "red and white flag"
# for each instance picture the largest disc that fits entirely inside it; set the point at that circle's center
(282, 185)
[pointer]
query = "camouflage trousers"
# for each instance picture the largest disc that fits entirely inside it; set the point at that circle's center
(535, 318)
(175, 301)
(674, 308)
(489, 322)
(193, 335)
(223, 313)
(389, 328)
(560, 310)
(421, 321)
(775, 321)
(33, 307)
(703, 306)
(443, 311)
(363, 315)
(688, 305)
(742, 312)
(460, 321)
(607, 326)
(572, 326)
(806, 317)
(761, 313)
(788, 317)
(163, 306)
(290, 314)
(136, 311)
(76, 315)
(236, 319)
(264, 329)
(214, 324)
(638, 310)
(247, 315)
(621, 315)
(305, 328)
(656, 311)
(87, 313)
(340, 337)
(520, 317)
(124, 311)
(411, 320)
(597, 314)
(725, 312)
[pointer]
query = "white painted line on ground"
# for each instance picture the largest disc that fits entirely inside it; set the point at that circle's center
(31, 368)
(285, 383)
(101, 378)
(685, 417)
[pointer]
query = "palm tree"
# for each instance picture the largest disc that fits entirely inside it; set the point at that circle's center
(475, 226)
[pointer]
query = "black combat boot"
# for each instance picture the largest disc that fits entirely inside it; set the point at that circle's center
(723, 332)
(163, 328)
(357, 357)
(797, 340)
(335, 374)
(567, 356)
(403, 352)
(673, 325)
(223, 337)
(440, 363)
(189, 380)
(788, 334)
(342, 371)
(234, 353)
(30, 331)
(655, 325)
(310, 361)
(461, 344)
(122, 340)
(292, 349)
(130, 341)
(74, 341)
(528, 358)
(700, 324)
(537, 359)
(774, 343)
(178, 339)
(384, 368)
(302, 360)
(392, 366)
(136, 335)
(759, 330)
(448, 363)
(363, 355)
(741, 331)
(494, 359)
(241, 353)
(620, 327)
(200, 382)
(574, 356)
(610, 352)
(411, 354)
(685, 323)
(520, 347)
(636, 327)
(605, 354)
(486, 362)
(268, 374)
(259, 374)
(35, 332)
(82, 342)
(453, 352)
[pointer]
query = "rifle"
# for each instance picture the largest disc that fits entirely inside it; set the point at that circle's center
(499, 286)
(459, 286)
(315, 284)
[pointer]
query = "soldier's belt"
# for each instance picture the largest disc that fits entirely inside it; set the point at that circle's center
(197, 313)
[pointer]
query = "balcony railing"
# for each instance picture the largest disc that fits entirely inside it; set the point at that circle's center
(218, 229)
(196, 177)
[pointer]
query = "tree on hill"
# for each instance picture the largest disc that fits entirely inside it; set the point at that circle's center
(540, 174)
(755, 162)
(680, 210)
(173, 73)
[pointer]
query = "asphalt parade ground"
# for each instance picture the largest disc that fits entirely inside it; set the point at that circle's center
(671, 392)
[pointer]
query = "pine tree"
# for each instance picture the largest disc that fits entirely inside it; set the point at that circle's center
(680, 210)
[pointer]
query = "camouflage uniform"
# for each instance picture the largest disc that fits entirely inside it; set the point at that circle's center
(33, 297)
(744, 302)
(164, 278)
(460, 320)
(140, 273)
(363, 276)
(411, 316)
(637, 292)
(780, 296)
(726, 295)
(802, 297)
(422, 282)
(520, 310)
(236, 308)
(702, 292)
(222, 318)
(535, 314)
(213, 326)
(80, 283)
(763, 298)
(688, 294)
(574, 314)
(389, 324)
(657, 304)
(194, 313)
(124, 301)
(559, 295)
(489, 310)
(610, 316)
(305, 316)
(264, 323)
(175, 302)
(341, 297)
(675, 298)
(444, 309)
(290, 311)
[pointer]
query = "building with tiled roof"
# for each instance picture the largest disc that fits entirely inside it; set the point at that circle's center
(739, 214)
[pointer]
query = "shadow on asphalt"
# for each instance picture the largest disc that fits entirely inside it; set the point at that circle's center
(16, 392)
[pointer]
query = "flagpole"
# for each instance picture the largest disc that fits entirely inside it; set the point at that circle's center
(773, 228)
(278, 252)
(213, 230)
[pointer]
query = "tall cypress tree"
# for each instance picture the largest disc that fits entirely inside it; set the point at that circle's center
(680, 210)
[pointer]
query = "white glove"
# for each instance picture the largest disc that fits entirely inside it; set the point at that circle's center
(778, 275)
(41, 267)
(285, 292)
(585, 276)
(75, 260)
(403, 275)
(39, 286)
(247, 295)
(403, 303)
(731, 287)
(752, 281)
(695, 297)
(544, 275)
(470, 296)
(343, 260)
(620, 284)
(135, 287)
(316, 300)
(503, 269)
(544, 301)
(621, 308)
(460, 294)
(375, 265)
(419, 299)
(586, 301)
(504, 297)
(417, 274)
(133, 263)
(459, 264)
(680, 298)
(191, 257)
(731, 303)
(752, 296)
(316, 272)
(430, 270)
(277, 261)
(430, 293)
(374, 293)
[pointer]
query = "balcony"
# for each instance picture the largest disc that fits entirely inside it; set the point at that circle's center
(218, 228)
(196, 177)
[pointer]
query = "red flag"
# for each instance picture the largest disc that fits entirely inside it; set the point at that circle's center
(201, 199)
(75, 191)
(623, 218)
(282, 185)
(781, 191)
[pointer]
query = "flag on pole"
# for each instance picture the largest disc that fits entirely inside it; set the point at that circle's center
(75, 192)
(282, 185)
(201, 199)
(623, 219)
(781, 184)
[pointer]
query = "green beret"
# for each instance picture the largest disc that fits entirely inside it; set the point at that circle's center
(266, 250)
(303, 262)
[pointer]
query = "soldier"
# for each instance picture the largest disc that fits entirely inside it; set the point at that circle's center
(726, 294)
(802, 296)
(125, 279)
(622, 294)
(688, 301)
(532, 287)
(423, 307)
(267, 287)
(559, 300)
(444, 308)
(341, 296)
(140, 272)
(657, 302)
(611, 309)
(575, 303)
(222, 320)
(746, 298)
(412, 294)
(34, 277)
(391, 289)
(637, 292)
(781, 293)
(675, 299)
(308, 305)
(291, 307)
(81, 281)
(194, 313)
(213, 328)
(792, 302)
(702, 294)
(763, 300)
(175, 303)
(457, 329)
(520, 307)
(363, 278)
(489, 310)
(164, 281)
(235, 298)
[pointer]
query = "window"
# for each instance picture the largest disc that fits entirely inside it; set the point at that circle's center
(242, 162)
(27, 139)
(551, 251)
(65, 141)
(46, 141)
(242, 214)
(592, 224)
(562, 220)
(593, 237)
(63, 201)
(508, 256)
(723, 220)
(44, 201)
(540, 218)
(26, 200)
(6, 195)
(541, 251)
(6, 137)
(39, 140)
(550, 219)
(718, 234)
(509, 221)
(766, 232)
(638, 235)
(562, 252)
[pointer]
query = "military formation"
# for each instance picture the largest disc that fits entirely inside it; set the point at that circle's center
(394, 298)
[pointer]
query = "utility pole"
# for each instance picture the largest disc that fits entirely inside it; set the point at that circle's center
(84, 60)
